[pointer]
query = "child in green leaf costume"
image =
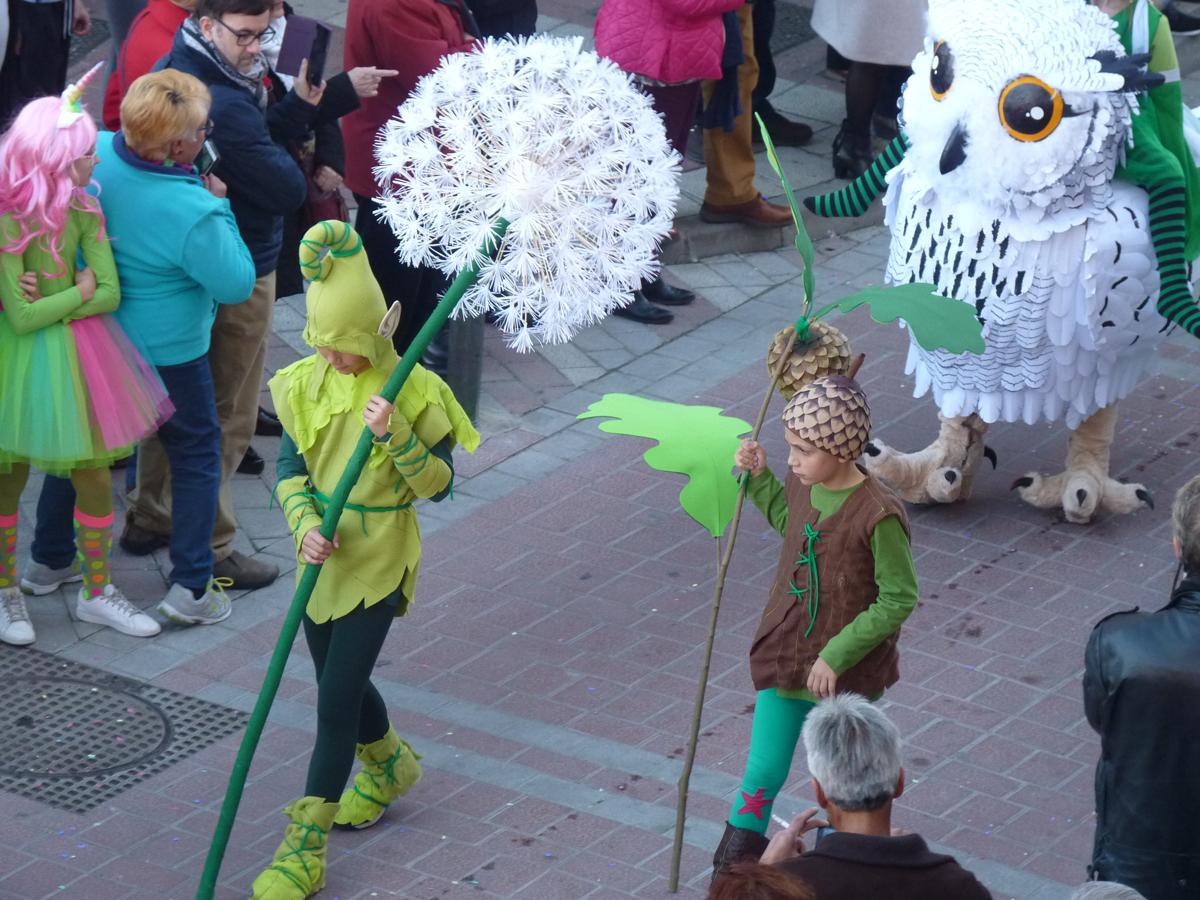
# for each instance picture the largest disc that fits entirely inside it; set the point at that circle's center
(370, 566)
(844, 585)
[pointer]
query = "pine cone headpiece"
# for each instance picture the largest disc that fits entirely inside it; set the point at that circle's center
(832, 414)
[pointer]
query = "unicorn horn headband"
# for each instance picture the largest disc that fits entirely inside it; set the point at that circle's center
(72, 97)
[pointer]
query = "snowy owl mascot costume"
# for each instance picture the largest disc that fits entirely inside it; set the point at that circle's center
(1000, 192)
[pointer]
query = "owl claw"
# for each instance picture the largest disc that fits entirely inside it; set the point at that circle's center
(990, 455)
(1023, 482)
(1145, 496)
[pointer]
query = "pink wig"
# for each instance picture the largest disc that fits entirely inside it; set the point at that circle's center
(36, 188)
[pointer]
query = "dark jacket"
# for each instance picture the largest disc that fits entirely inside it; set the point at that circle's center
(856, 866)
(1141, 693)
(264, 181)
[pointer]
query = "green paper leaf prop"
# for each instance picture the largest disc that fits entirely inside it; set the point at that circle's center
(936, 322)
(696, 441)
(804, 243)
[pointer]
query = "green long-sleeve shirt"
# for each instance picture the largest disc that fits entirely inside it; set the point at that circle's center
(61, 300)
(895, 574)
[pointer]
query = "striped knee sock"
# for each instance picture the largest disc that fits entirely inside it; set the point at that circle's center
(856, 197)
(8, 551)
(1168, 233)
(93, 538)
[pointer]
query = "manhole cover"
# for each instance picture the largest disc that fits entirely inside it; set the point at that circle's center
(73, 736)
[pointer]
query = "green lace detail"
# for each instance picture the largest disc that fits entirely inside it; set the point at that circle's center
(307, 829)
(813, 591)
(311, 494)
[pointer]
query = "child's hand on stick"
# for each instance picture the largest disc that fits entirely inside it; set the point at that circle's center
(377, 415)
(822, 680)
(315, 548)
(751, 457)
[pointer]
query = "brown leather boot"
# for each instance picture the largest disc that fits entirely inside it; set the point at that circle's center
(756, 213)
(737, 845)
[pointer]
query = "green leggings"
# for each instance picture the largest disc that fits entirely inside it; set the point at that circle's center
(773, 739)
(93, 490)
(349, 708)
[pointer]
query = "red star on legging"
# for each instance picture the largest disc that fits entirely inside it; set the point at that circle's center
(756, 804)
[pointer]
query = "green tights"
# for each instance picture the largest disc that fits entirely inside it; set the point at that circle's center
(93, 524)
(773, 738)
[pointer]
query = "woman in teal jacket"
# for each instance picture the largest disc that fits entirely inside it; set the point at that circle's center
(178, 255)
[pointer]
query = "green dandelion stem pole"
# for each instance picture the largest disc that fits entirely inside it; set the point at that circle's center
(698, 711)
(333, 512)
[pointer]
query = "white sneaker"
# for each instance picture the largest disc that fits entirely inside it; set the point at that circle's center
(112, 609)
(180, 607)
(39, 579)
(15, 627)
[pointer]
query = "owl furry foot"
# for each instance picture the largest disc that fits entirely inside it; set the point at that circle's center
(1084, 486)
(1080, 493)
(941, 473)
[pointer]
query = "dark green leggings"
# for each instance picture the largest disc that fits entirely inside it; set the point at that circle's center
(349, 708)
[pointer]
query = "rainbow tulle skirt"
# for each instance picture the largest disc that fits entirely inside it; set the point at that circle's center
(75, 395)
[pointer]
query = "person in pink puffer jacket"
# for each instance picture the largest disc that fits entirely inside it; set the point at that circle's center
(669, 46)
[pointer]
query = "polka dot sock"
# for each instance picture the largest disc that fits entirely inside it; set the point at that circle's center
(93, 538)
(8, 551)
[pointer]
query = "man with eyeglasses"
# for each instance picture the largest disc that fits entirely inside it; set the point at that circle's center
(220, 44)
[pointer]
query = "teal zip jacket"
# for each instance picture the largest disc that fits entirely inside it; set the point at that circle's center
(177, 249)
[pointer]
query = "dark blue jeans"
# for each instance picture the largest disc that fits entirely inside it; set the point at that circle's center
(191, 439)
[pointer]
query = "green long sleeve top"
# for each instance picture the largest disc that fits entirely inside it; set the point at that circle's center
(61, 300)
(895, 574)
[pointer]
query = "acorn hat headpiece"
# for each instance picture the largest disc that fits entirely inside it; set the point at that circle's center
(832, 414)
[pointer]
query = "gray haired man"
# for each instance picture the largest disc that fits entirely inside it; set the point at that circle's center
(854, 757)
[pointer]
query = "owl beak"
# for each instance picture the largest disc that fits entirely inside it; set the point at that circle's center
(954, 154)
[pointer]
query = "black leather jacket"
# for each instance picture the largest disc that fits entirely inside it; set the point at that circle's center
(1141, 692)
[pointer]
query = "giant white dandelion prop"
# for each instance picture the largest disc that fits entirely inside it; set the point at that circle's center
(541, 177)
(558, 143)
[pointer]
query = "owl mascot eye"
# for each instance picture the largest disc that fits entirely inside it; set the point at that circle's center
(1012, 188)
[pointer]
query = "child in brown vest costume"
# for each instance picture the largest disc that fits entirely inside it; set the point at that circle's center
(844, 586)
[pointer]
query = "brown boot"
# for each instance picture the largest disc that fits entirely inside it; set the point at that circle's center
(756, 213)
(737, 845)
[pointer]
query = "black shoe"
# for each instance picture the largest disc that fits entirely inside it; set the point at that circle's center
(252, 463)
(658, 291)
(138, 541)
(851, 153)
(784, 132)
(246, 574)
(1181, 23)
(268, 424)
(737, 845)
(642, 310)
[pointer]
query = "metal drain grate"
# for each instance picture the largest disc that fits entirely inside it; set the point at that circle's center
(73, 736)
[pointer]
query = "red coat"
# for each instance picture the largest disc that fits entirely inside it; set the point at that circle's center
(148, 41)
(411, 36)
(668, 40)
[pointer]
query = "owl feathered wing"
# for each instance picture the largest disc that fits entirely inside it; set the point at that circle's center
(1068, 315)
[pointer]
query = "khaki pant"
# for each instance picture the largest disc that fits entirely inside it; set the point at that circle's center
(237, 357)
(729, 154)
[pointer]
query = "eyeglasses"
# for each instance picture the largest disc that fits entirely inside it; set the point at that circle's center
(206, 129)
(246, 38)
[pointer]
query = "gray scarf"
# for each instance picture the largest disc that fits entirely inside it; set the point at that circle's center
(251, 81)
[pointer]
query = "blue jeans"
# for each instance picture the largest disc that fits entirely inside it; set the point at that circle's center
(191, 439)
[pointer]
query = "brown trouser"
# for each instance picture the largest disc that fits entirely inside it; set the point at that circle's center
(237, 357)
(729, 154)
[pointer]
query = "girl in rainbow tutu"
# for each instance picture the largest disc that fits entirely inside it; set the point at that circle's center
(74, 393)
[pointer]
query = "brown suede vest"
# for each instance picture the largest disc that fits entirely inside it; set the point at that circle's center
(781, 654)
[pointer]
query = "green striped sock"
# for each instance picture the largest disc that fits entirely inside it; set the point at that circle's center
(856, 197)
(1168, 233)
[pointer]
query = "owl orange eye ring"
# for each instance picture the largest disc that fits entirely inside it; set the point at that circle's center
(1030, 109)
(941, 71)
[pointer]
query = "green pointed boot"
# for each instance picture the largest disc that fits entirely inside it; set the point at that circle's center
(389, 769)
(298, 869)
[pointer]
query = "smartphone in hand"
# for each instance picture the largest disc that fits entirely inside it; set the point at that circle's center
(206, 159)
